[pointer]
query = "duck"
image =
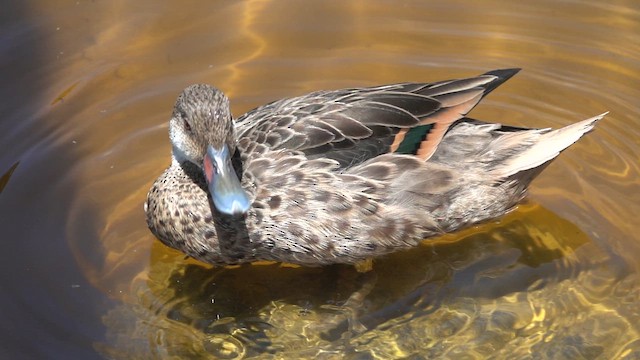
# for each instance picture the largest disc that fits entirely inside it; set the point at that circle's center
(341, 176)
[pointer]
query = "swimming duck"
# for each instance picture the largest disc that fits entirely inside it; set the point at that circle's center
(341, 176)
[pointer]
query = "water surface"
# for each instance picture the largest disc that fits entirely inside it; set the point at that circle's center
(87, 92)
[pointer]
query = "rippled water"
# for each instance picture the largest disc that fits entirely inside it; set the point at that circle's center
(88, 88)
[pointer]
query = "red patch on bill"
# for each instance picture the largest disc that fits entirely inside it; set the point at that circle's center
(208, 168)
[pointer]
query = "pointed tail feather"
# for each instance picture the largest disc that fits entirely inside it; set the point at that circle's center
(503, 75)
(547, 147)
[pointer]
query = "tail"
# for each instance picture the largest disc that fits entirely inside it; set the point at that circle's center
(546, 147)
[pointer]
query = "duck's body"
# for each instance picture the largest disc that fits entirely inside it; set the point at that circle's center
(342, 176)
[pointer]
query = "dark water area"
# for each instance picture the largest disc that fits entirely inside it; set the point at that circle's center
(87, 91)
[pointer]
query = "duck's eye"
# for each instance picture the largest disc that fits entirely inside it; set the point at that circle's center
(185, 122)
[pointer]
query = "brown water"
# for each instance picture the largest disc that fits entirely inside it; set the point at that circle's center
(87, 90)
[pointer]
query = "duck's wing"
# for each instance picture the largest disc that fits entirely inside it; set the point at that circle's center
(353, 125)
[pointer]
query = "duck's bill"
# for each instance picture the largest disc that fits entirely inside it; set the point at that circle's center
(226, 192)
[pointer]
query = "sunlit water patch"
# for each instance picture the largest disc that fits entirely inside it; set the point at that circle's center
(530, 283)
(85, 135)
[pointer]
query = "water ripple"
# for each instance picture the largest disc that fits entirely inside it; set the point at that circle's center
(557, 277)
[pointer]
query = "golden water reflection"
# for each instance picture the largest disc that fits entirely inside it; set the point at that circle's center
(528, 283)
(558, 278)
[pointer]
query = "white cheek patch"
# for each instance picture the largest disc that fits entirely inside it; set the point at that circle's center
(179, 155)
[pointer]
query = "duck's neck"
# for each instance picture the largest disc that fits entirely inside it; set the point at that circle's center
(233, 237)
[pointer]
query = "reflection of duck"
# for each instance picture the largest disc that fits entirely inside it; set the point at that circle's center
(259, 308)
(341, 176)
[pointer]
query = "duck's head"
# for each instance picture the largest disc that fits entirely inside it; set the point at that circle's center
(202, 132)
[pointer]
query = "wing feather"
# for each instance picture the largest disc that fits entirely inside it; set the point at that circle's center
(354, 125)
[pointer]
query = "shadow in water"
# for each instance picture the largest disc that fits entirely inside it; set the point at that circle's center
(268, 308)
(48, 308)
